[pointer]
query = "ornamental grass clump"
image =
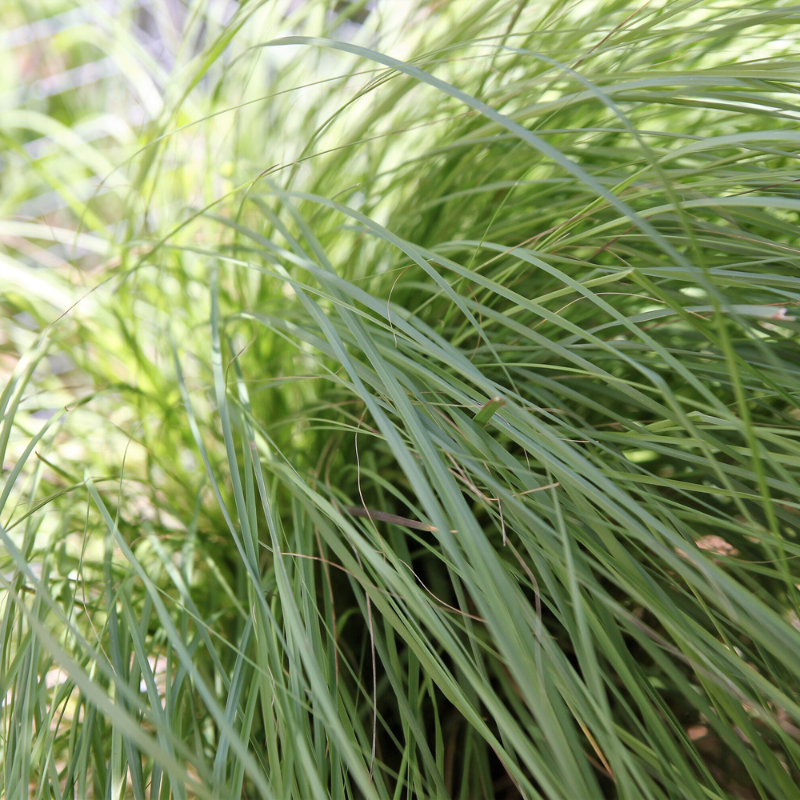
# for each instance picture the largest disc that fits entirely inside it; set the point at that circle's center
(399, 400)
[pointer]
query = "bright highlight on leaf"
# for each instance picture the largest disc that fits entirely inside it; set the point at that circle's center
(488, 410)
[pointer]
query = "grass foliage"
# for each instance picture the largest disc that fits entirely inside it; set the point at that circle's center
(399, 401)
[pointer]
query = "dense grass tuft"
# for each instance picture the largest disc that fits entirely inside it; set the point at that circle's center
(400, 400)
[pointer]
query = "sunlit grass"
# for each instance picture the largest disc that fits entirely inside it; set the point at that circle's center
(400, 401)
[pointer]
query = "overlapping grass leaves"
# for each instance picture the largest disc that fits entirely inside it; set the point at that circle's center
(430, 412)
